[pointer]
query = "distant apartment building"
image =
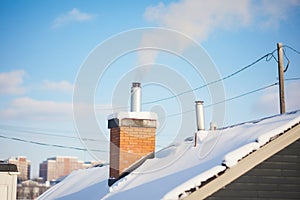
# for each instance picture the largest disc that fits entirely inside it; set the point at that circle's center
(56, 167)
(23, 165)
(31, 189)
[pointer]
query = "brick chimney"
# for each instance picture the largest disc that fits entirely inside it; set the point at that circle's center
(132, 137)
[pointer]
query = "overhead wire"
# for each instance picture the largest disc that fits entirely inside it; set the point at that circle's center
(291, 48)
(292, 79)
(50, 145)
(223, 101)
(287, 66)
(244, 94)
(42, 132)
(235, 97)
(266, 56)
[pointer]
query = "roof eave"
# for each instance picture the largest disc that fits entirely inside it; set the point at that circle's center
(247, 164)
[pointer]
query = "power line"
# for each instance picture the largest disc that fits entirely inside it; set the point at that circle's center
(223, 101)
(291, 48)
(267, 56)
(50, 145)
(287, 66)
(292, 79)
(46, 134)
(241, 95)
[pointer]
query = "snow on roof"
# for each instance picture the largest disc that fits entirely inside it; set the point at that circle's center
(88, 183)
(179, 167)
(133, 115)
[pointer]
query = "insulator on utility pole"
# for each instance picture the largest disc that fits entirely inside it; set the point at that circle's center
(281, 78)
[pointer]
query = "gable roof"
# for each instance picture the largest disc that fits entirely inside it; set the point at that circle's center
(179, 167)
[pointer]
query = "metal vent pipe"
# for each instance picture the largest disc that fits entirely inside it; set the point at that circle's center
(199, 115)
(136, 97)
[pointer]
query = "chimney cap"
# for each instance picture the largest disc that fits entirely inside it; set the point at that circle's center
(199, 102)
(136, 84)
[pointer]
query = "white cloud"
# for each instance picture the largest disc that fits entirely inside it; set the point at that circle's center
(195, 18)
(199, 18)
(269, 101)
(11, 83)
(31, 109)
(63, 86)
(73, 15)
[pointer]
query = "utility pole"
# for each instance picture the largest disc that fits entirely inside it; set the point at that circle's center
(281, 78)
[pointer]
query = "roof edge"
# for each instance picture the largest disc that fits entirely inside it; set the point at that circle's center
(247, 163)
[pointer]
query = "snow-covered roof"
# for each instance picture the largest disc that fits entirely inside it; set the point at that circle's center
(179, 167)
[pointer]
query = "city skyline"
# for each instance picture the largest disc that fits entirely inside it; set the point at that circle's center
(58, 170)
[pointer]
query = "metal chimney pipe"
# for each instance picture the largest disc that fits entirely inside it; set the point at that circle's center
(136, 97)
(199, 115)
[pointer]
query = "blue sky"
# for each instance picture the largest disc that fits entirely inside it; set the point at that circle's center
(45, 43)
